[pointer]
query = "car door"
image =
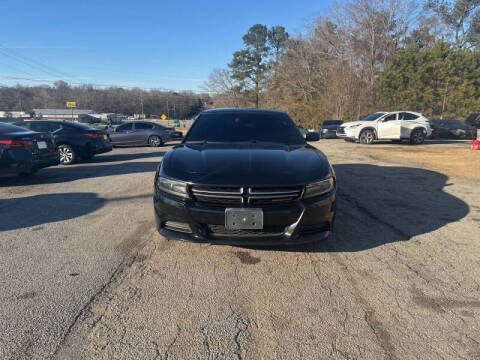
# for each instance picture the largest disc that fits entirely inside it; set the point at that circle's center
(407, 123)
(123, 135)
(389, 127)
(141, 132)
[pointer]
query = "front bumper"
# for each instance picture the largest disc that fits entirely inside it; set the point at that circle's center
(301, 222)
(329, 134)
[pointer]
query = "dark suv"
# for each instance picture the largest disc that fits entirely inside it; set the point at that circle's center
(245, 177)
(74, 140)
(329, 128)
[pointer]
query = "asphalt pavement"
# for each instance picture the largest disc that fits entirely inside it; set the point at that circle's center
(83, 273)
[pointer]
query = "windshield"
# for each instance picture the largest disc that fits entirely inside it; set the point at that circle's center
(373, 117)
(243, 127)
(332, 122)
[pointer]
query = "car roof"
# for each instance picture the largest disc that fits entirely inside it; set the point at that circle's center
(400, 111)
(243, 110)
(140, 121)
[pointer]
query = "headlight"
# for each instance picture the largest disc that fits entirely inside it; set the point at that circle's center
(319, 187)
(354, 126)
(174, 187)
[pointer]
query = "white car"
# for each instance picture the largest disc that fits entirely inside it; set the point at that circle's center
(397, 125)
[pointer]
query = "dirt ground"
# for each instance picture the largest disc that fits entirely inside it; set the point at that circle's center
(450, 158)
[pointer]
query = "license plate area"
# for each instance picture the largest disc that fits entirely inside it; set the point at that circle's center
(41, 144)
(243, 219)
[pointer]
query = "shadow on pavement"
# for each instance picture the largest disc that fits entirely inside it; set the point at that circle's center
(19, 213)
(378, 205)
(60, 174)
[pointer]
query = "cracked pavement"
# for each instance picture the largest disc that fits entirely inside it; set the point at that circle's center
(397, 280)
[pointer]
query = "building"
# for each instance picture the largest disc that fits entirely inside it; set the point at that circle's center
(60, 114)
(14, 114)
(113, 118)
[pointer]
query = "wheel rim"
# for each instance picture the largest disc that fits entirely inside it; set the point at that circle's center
(155, 141)
(66, 155)
(418, 137)
(367, 137)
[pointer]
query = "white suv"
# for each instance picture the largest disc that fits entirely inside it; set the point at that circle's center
(397, 125)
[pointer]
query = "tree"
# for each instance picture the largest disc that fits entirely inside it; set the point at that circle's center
(250, 65)
(441, 81)
(277, 37)
(461, 17)
(224, 90)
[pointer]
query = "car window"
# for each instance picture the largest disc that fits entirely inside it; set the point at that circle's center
(54, 126)
(455, 124)
(390, 117)
(143, 126)
(373, 117)
(332, 122)
(40, 126)
(125, 127)
(408, 116)
(245, 127)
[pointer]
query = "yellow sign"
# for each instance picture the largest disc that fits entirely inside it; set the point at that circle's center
(71, 104)
(163, 117)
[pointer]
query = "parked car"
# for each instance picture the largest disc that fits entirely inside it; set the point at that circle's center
(141, 133)
(328, 129)
(397, 125)
(23, 152)
(234, 180)
(73, 140)
(176, 135)
(302, 130)
(452, 129)
(474, 121)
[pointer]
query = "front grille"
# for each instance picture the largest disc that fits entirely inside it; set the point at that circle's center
(218, 195)
(269, 231)
(341, 130)
(246, 196)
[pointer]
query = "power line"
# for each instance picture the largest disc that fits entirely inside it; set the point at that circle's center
(32, 63)
(99, 85)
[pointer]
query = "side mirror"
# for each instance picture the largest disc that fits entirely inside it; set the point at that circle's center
(312, 136)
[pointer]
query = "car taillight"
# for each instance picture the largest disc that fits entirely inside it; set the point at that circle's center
(15, 143)
(92, 135)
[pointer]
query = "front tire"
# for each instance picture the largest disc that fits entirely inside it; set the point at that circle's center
(67, 155)
(155, 141)
(417, 137)
(367, 137)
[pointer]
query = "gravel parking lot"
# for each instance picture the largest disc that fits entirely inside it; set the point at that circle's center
(84, 274)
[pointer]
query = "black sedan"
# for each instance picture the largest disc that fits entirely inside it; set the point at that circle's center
(328, 129)
(452, 129)
(233, 180)
(141, 133)
(74, 140)
(23, 152)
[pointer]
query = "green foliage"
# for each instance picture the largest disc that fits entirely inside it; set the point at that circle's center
(461, 17)
(250, 66)
(438, 81)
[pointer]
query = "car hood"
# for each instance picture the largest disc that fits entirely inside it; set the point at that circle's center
(245, 165)
(352, 123)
